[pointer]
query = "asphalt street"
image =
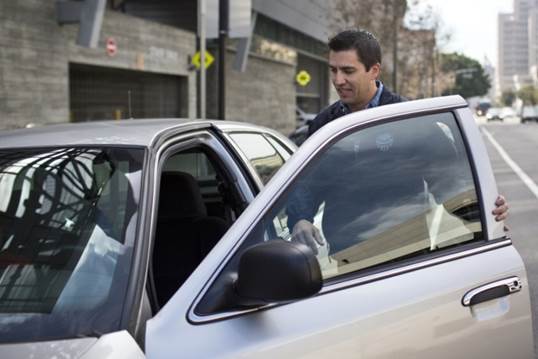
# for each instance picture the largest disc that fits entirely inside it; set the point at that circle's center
(520, 144)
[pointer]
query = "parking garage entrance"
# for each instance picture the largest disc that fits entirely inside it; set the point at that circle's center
(103, 93)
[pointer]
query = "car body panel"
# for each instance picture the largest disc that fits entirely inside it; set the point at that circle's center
(68, 348)
(412, 312)
(381, 319)
(117, 345)
(116, 133)
(488, 191)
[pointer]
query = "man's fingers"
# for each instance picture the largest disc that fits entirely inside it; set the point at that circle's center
(309, 240)
(501, 217)
(501, 209)
(317, 236)
(500, 200)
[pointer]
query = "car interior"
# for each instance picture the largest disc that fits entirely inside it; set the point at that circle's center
(197, 204)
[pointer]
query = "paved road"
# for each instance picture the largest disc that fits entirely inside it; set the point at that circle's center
(520, 142)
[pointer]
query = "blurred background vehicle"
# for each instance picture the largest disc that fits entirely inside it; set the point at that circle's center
(493, 114)
(529, 113)
(299, 135)
(482, 108)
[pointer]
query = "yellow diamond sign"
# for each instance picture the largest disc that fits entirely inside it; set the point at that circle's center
(303, 78)
(209, 59)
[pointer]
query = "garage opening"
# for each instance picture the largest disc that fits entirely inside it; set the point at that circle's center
(102, 93)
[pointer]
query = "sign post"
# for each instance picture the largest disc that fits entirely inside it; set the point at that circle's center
(201, 32)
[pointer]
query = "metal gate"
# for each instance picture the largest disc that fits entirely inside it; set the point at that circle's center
(102, 93)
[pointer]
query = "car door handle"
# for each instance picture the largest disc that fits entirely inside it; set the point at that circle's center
(491, 291)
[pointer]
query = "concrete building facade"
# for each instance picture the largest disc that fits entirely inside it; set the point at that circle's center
(141, 66)
(40, 58)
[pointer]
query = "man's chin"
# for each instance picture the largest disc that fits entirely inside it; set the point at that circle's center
(346, 101)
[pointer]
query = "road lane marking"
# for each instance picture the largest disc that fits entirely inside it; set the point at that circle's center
(531, 185)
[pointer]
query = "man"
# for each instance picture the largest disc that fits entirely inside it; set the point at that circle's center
(355, 65)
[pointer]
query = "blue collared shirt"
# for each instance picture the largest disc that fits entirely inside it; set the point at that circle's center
(374, 102)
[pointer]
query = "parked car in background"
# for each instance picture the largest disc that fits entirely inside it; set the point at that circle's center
(529, 113)
(302, 117)
(170, 238)
(493, 114)
(507, 112)
(500, 114)
(300, 134)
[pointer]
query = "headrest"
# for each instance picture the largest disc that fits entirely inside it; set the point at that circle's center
(180, 196)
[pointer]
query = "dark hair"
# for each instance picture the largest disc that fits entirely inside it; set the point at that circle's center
(362, 41)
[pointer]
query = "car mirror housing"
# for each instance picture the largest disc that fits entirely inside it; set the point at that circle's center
(277, 271)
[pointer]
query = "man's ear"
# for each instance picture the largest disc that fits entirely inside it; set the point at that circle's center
(375, 70)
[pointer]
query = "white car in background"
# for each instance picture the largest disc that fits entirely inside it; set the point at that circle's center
(171, 239)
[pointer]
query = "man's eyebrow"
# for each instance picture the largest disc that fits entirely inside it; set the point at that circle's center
(345, 67)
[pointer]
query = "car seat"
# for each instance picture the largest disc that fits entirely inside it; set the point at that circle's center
(185, 233)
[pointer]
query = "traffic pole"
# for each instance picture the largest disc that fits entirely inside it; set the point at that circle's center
(223, 34)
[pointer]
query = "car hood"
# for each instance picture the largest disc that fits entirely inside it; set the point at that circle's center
(116, 345)
(68, 348)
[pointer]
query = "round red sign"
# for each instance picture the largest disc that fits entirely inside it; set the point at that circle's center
(111, 47)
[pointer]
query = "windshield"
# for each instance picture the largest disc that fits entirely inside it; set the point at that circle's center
(67, 223)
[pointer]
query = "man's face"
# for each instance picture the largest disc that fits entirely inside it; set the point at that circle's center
(354, 84)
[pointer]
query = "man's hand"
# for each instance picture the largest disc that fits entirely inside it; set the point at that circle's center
(307, 233)
(501, 212)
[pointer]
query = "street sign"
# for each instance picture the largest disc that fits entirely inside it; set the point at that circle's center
(209, 59)
(111, 46)
(303, 78)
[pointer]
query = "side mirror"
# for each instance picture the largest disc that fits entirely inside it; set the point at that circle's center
(277, 271)
(270, 272)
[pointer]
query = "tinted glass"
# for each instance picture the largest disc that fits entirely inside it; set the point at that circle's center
(385, 193)
(262, 155)
(67, 224)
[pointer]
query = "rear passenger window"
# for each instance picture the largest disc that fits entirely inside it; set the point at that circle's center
(265, 159)
(381, 195)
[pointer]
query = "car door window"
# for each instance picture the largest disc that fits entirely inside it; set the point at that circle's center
(284, 151)
(197, 204)
(383, 194)
(263, 157)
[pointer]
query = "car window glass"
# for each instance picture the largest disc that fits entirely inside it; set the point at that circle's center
(67, 224)
(262, 155)
(196, 163)
(385, 193)
(197, 203)
(284, 152)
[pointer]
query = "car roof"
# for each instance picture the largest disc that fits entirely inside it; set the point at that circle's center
(123, 132)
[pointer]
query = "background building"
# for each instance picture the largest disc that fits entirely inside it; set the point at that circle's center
(141, 66)
(518, 46)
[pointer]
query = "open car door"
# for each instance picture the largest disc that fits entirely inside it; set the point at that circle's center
(411, 262)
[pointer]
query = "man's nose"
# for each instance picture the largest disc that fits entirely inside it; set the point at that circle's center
(338, 78)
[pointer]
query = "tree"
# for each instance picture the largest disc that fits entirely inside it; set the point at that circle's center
(507, 98)
(468, 74)
(529, 95)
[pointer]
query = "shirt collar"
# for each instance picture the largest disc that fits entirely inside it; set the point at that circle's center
(374, 102)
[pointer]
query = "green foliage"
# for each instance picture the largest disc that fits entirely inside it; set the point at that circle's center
(507, 98)
(469, 76)
(529, 95)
